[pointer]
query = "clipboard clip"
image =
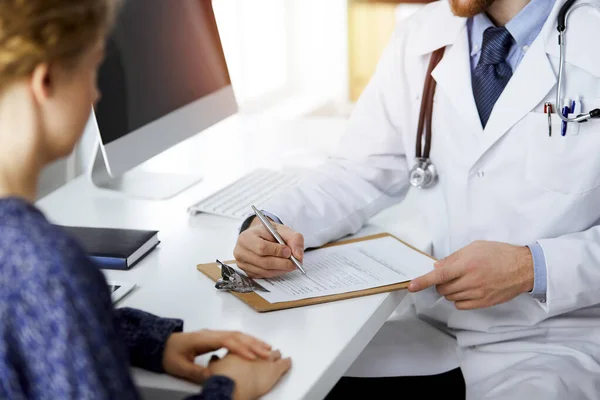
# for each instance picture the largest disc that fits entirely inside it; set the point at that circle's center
(233, 281)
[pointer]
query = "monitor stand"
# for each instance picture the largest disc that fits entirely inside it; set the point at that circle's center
(137, 183)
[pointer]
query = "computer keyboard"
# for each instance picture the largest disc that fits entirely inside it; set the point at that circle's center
(255, 188)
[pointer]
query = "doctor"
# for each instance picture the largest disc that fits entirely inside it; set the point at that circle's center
(514, 214)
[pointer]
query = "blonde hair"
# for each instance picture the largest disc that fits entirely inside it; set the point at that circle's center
(48, 31)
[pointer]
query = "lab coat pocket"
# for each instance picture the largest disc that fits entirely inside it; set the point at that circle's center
(564, 164)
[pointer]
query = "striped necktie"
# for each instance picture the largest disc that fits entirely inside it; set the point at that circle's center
(492, 73)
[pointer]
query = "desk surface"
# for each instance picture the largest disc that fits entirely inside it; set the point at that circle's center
(322, 340)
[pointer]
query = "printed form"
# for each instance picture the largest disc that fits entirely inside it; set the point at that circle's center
(348, 268)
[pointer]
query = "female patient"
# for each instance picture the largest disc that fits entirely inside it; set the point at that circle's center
(60, 338)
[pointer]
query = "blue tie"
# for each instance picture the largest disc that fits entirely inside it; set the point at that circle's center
(492, 73)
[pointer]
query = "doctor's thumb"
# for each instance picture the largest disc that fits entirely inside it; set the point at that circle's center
(298, 252)
(294, 241)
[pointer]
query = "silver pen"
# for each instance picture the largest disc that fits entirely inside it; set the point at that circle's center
(267, 224)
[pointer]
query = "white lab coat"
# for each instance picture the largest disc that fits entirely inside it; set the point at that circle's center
(509, 183)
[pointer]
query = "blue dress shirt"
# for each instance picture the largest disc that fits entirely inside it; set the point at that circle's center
(524, 28)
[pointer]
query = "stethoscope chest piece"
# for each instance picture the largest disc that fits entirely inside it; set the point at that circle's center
(423, 174)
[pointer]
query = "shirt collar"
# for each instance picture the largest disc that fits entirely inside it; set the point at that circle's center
(477, 26)
(524, 27)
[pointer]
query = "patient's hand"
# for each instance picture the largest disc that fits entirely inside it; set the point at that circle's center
(182, 348)
(260, 256)
(483, 274)
(253, 379)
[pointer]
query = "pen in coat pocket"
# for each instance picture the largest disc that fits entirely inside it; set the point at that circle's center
(548, 110)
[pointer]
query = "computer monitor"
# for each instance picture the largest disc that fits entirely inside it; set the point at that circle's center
(163, 80)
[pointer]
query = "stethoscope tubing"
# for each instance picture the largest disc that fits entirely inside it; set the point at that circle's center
(564, 14)
(426, 112)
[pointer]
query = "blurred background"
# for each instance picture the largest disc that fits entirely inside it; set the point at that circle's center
(288, 59)
(305, 57)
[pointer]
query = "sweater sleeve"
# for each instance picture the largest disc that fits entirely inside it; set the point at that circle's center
(58, 340)
(216, 388)
(145, 336)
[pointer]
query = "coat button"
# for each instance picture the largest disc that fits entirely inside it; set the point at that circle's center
(480, 174)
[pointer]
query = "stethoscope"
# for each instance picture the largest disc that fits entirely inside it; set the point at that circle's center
(423, 174)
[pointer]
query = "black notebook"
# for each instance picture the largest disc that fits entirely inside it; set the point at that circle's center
(114, 248)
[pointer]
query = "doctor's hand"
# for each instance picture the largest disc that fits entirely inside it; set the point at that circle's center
(481, 275)
(260, 256)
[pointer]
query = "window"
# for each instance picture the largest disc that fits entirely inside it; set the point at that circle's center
(253, 35)
(285, 56)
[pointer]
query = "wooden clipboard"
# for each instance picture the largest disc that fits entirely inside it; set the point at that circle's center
(259, 304)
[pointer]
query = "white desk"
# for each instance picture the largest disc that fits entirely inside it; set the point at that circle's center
(322, 340)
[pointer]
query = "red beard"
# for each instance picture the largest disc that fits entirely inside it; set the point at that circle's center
(469, 8)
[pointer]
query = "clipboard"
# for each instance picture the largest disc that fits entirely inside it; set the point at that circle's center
(261, 305)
